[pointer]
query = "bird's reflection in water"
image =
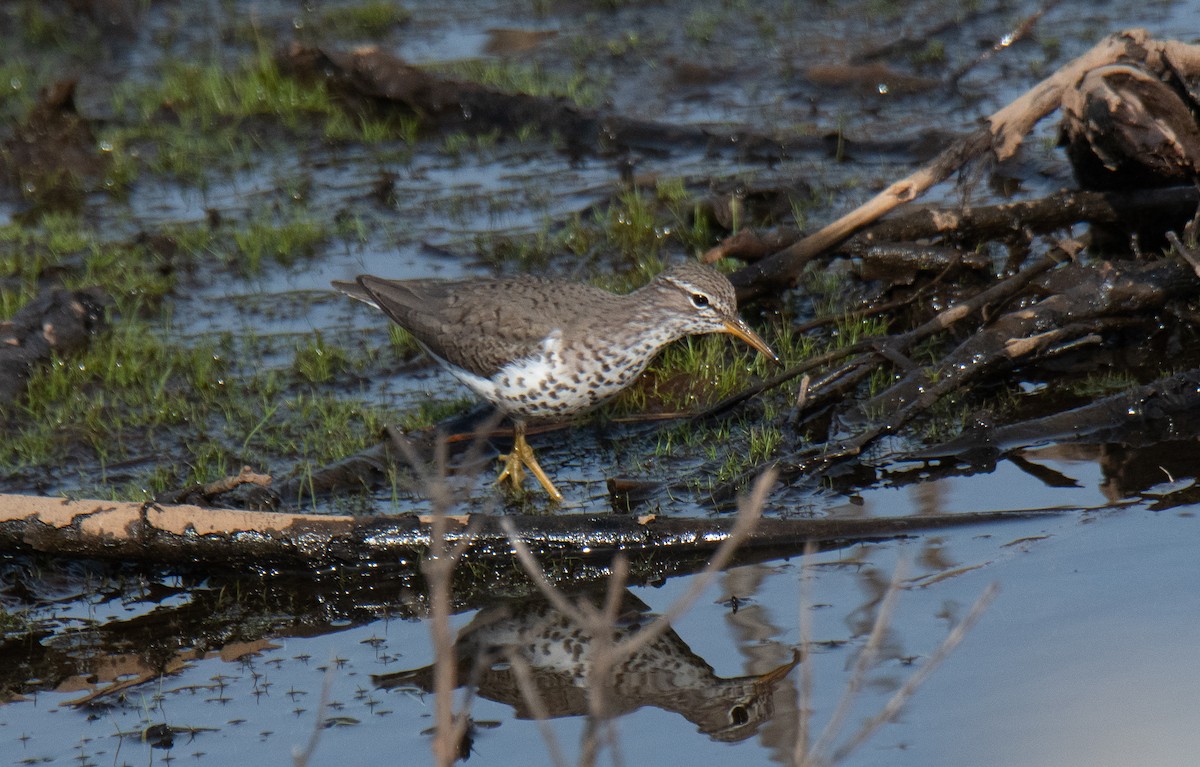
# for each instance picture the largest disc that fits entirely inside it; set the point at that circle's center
(665, 673)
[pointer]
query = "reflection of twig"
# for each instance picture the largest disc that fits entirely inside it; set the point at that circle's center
(300, 757)
(523, 675)
(819, 754)
(901, 697)
(866, 659)
(804, 709)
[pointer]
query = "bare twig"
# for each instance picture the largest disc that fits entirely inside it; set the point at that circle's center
(1005, 41)
(438, 568)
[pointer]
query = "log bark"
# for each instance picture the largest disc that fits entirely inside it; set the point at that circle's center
(183, 534)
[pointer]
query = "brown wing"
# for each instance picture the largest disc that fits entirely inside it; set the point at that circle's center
(481, 325)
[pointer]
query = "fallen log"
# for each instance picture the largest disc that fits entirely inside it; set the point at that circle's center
(187, 535)
(387, 82)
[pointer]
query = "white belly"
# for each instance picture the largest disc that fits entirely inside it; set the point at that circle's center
(546, 384)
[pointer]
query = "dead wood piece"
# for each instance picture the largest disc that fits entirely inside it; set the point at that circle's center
(971, 225)
(388, 82)
(837, 382)
(898, 263)
(56, 321)
(1128, 416)
(1123, 127)
(1048, 214)
(1003, 135)
(209, 492)
(752, 244)
(780, 270)
(1082, 297)
(239, 539)
(822, 391)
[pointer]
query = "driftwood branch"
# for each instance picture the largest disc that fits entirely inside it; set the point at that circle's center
(1003, 134)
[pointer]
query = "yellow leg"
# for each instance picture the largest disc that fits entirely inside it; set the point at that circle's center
(521, 458)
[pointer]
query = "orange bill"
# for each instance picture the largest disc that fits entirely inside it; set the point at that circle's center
(736, 327)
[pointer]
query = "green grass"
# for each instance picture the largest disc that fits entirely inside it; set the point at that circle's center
(285, 242)
(206, 116)
(584, 88)
(181, 414)
(1101, 383)
(428, 413)
(19, 84)
(170, 413)
(122, 389)
(369, 19)
(317, 362)
(691, 374)
(60, 244)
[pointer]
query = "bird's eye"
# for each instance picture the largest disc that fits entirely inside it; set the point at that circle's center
(699, 300)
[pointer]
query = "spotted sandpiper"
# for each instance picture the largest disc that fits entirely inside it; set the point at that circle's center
(537, 347)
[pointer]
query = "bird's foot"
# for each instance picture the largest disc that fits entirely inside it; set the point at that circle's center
(522, 458)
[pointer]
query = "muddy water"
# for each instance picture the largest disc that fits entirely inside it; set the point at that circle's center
(1084, 657)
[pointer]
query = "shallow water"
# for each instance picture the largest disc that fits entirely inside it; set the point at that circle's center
(1085, 657)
